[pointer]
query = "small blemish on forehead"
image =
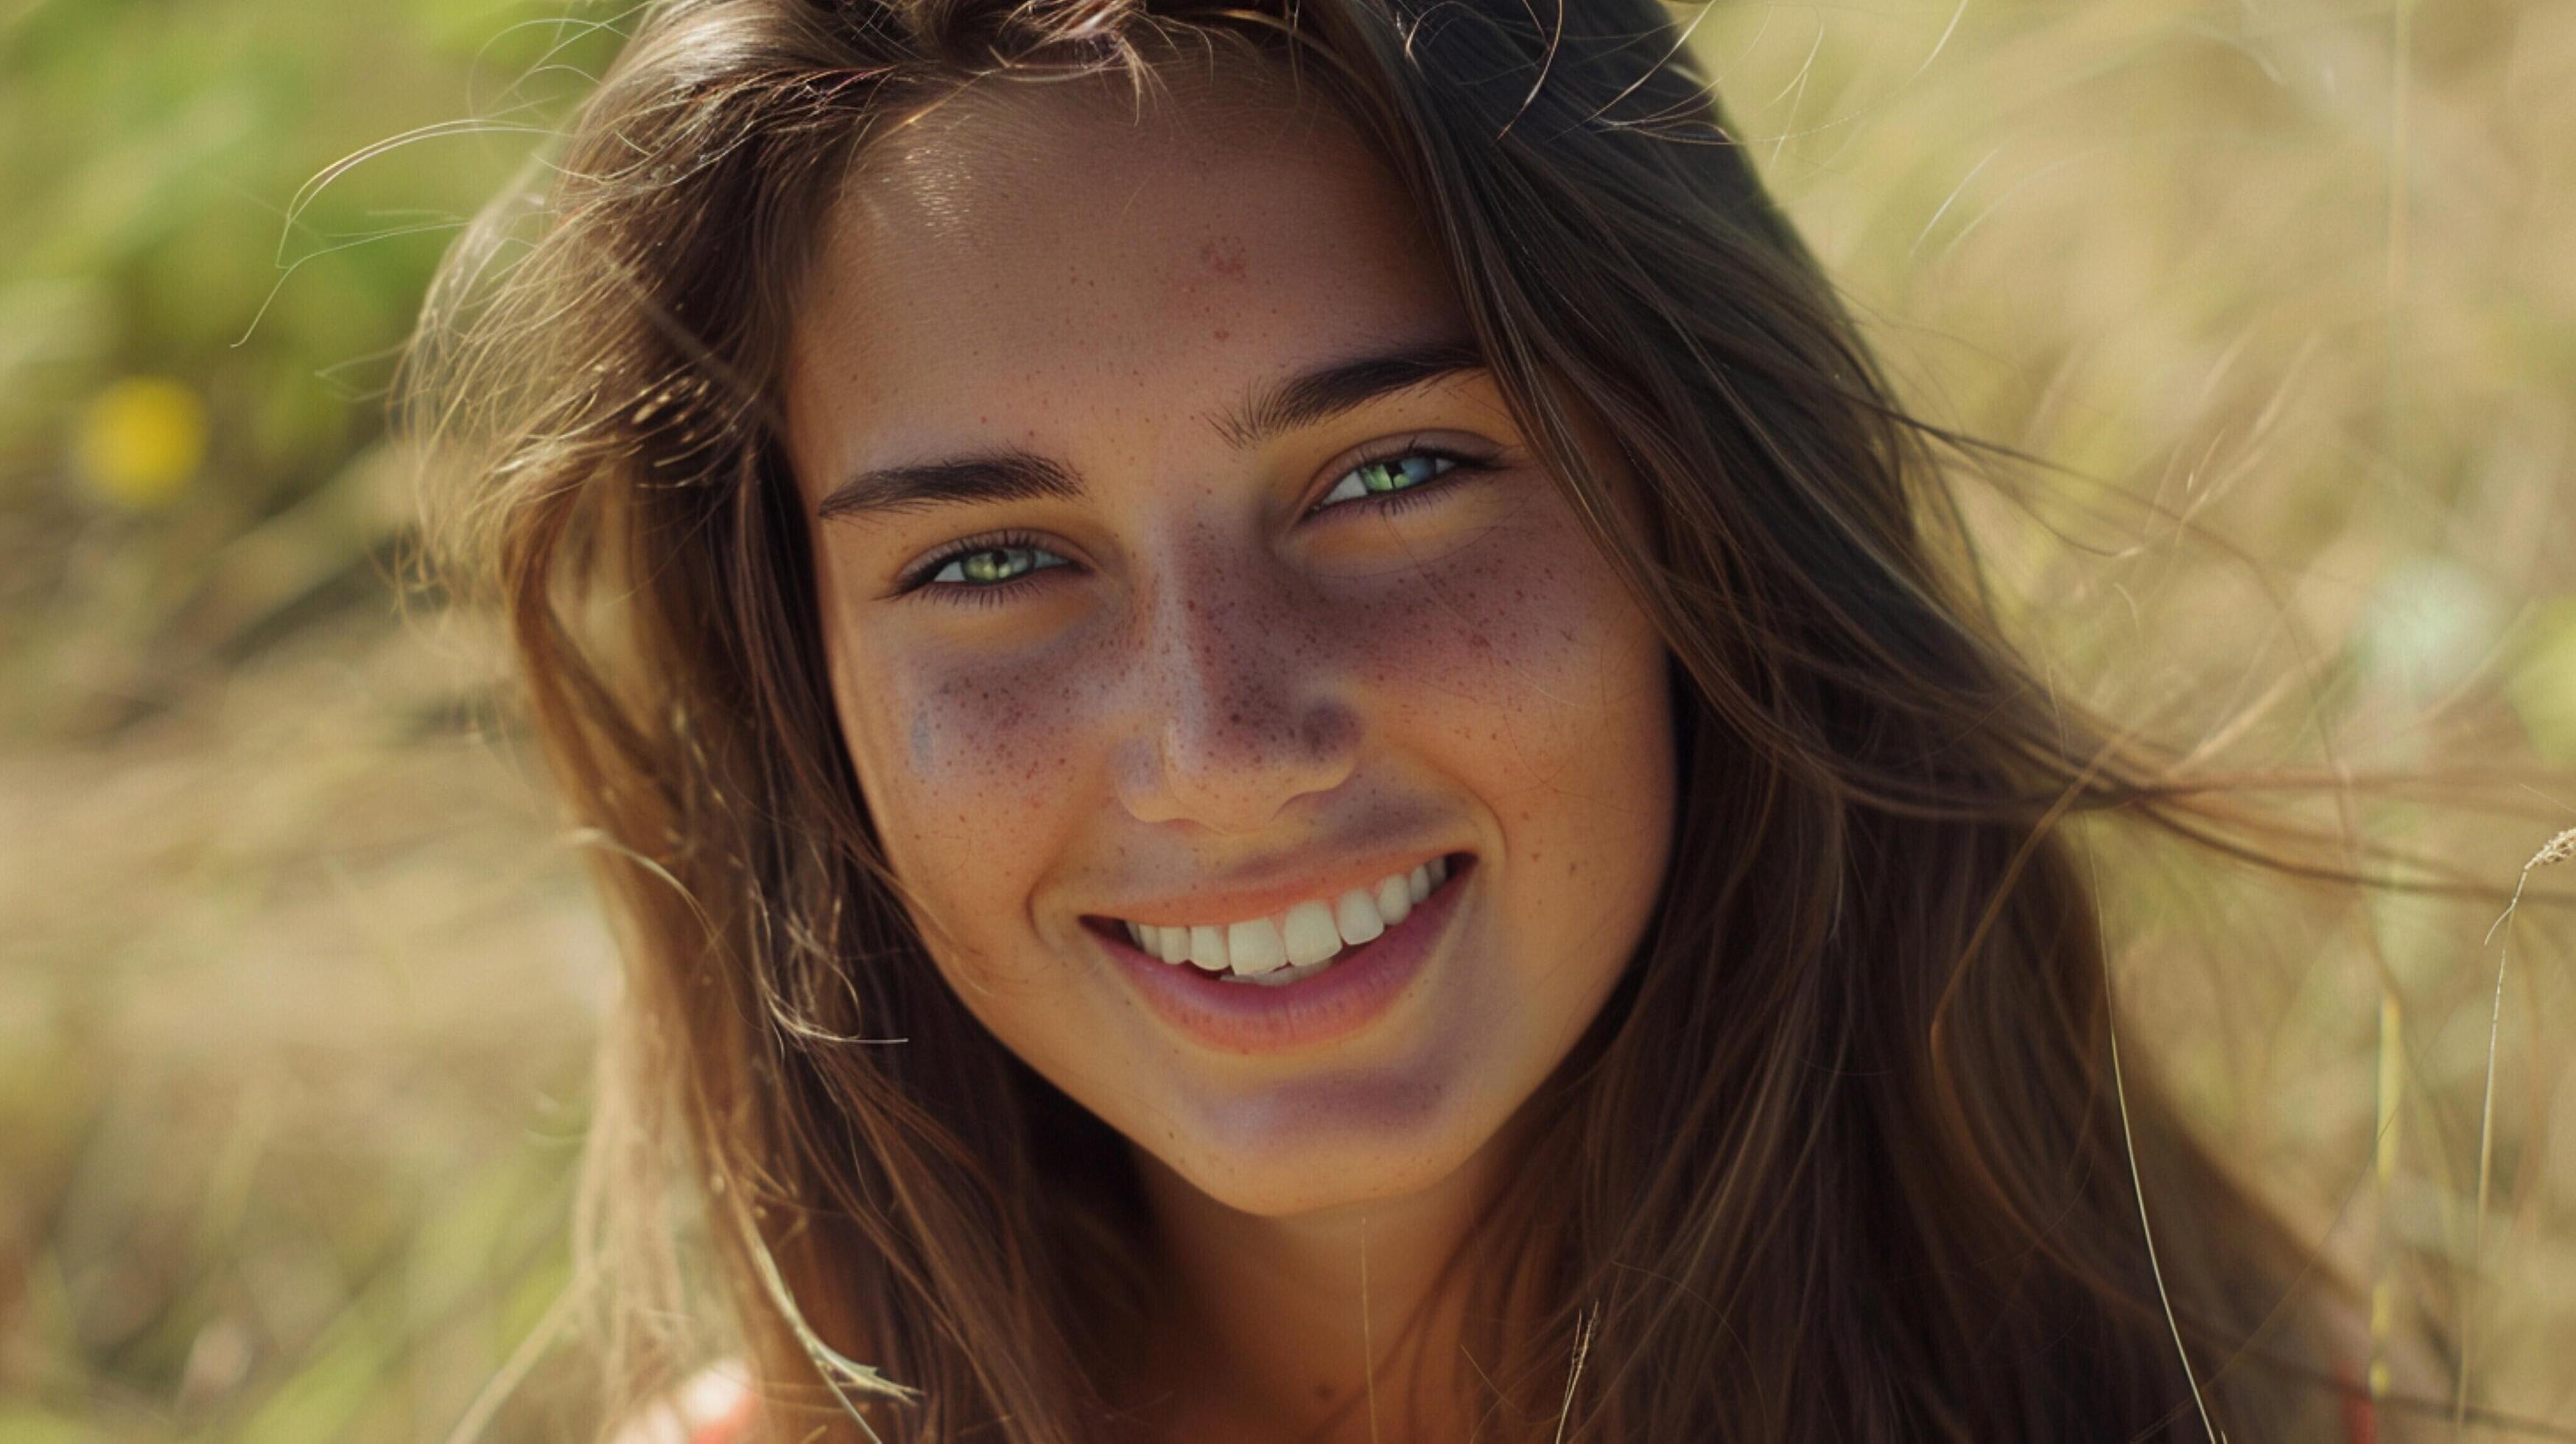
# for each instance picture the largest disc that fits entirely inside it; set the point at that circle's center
(1224, 255)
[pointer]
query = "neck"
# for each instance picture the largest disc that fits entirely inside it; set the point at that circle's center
(1321, 1327)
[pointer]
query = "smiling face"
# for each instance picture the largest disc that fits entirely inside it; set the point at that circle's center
(1178, 566)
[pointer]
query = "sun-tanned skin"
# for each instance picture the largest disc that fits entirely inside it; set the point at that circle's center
(1205, 676)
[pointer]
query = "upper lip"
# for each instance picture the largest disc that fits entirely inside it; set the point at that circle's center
(1272, 889)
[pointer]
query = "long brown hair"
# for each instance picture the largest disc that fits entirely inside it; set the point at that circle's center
(1844, 1157)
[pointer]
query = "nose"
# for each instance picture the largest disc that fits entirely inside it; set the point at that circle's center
(1238, 705)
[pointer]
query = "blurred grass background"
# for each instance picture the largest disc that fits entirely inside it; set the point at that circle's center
(298, 982)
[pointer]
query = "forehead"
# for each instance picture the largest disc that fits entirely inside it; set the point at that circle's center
(1024, 262)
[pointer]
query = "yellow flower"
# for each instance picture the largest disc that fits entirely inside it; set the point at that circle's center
(141, 441)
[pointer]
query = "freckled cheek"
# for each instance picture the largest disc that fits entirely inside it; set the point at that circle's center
(956, 764)
(1525, 644)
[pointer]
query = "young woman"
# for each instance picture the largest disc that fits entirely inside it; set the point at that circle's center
(1292, 748)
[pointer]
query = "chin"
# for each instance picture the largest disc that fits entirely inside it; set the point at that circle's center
(1323, 1189)
(1328, 1145)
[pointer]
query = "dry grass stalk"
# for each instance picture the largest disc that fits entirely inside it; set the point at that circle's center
(1582, 1346)
(2557, 849)
(2147, 1231)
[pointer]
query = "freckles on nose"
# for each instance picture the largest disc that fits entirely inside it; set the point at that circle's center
(1217, 660)
(1239, 677)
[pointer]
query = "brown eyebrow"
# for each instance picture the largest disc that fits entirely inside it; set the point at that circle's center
(994, 476)
(1328, 391)
(1013, 475)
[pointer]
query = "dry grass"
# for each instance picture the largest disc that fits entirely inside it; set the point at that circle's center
(297, 998)
(296, 984)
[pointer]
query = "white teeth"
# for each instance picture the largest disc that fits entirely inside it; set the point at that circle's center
(1280, 977)
(1394, 900)
(1355, 917)
(1207, 948)
(1254, 946)
(1310, 934)
(1299, 942)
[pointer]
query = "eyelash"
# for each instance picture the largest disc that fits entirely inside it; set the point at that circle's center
(1385, 503)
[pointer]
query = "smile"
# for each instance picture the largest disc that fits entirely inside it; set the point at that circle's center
(1296, 942)
(1344, 987)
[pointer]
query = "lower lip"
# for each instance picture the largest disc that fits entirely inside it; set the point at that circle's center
(1362, 984)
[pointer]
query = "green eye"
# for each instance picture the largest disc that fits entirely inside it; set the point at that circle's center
(1386, 474)
(983, 571)
(991, 565)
